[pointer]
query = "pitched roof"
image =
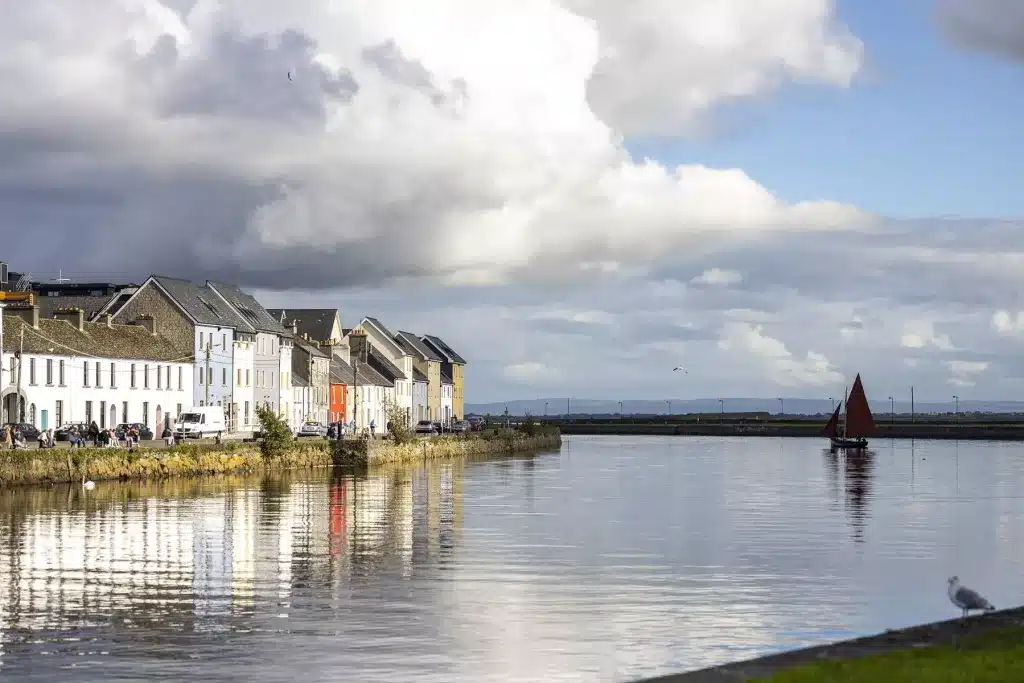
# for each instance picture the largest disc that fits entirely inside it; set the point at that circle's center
(367, 375)
(61, 338)
(415, 347)
(341, 372)
(90, 305)
(308, 348)
(418, 376)
(445, 379)
(384, 332)
(318, 323)
(383, 366)
(247, 307)
(443, 349)
(201, 303)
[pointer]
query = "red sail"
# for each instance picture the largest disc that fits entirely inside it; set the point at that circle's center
(859, 422)
(832, 428)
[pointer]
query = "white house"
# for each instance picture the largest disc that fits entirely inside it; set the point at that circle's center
(272, 344)
(195, 318)
(71, 370)
(312, 365)
(447, 399)
(382, 340)
(301, 400)
(243, 404)
(420, 407)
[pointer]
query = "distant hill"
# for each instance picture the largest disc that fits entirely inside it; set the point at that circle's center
(793, 406)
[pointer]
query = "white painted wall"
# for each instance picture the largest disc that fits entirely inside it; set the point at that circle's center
(221, 344)
(244, 395)
(447, 402)
(267, 370)
(389, 349)
(419, 402)
(286, 400)
(90, 381)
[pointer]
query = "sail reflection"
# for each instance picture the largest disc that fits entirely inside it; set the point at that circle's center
(857, 467)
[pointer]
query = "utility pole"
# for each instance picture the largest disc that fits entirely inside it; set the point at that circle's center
(912, 420)
(355, 399)
(567, 412)
(19, 403)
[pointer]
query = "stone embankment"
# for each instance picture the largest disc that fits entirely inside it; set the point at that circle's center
(32, 466)
(779, 428)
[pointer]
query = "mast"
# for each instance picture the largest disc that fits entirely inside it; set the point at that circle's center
(846, 406)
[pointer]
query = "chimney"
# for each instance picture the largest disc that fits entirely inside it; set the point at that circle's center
(148, 322)
(359, 347)
(295, 327)
(74, 316)
(108, 320)
(30, 314)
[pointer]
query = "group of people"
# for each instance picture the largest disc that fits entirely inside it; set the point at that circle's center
(12, 438)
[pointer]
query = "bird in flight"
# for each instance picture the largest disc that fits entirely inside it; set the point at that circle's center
(967, 599)
(680, 368)
(289, 75)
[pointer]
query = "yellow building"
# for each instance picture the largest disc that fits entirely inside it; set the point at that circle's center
(453, 365)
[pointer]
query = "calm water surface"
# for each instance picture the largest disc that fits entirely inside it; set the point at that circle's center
(618, 558)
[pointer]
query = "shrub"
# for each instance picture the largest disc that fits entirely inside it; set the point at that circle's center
(399, 423)
(276, 435)
(529, 427)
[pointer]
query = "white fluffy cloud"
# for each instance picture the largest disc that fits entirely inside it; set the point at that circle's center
(920, 334)
(964, 373)
(716, 277)
(477, 142)
(1008, 323)
(779, 363)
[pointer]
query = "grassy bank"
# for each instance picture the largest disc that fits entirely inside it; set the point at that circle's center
(33, 466)
(980, 649)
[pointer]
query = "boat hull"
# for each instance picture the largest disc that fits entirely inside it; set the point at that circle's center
(838, 442)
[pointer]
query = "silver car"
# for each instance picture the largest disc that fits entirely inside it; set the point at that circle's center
(313, 429)
(460, 427)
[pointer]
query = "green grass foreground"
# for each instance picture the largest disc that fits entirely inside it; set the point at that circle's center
(993, 657)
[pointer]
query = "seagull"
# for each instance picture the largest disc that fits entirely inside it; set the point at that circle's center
(680, 368)
(89, 485)
(289, 75)
(967, 599)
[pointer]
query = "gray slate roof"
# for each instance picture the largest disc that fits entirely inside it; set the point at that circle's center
(250, 309)
(314, 322)
(445, 379)
(58, 337)
(382, 326)
(201, 303)
(367, 375)
(383, 366)
(90, 305)
(418, 376)
(443, 349)
(412, 345)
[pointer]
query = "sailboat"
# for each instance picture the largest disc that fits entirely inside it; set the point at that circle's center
(851, 429)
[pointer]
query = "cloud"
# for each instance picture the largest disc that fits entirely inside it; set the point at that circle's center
(716, 277)
(920, 334)
(1008, 324)
(393, 152)
(528, 372)
(965, 372)
(992, 26)
(778, 362)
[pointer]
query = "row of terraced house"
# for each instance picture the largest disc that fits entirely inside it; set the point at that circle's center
(115, 354)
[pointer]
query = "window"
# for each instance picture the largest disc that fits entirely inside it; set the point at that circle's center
(224, 376)
(202, 376)
(246, 412)
(209, 375)
(99, 383)
(145, 376)
(239, 377)
(159, 377)
(88, 412)
(180, 373)
(32, 414)
(224, 341)
(31, 370)
(85, 376)
(113, 375)
(179, 411)
(13, 366)
(103, 415)
(124, 412)
(49, 372)
(247, 378)
(59, 413)
(60, 373)
(201, 346)
(145, 413)
(132, 377)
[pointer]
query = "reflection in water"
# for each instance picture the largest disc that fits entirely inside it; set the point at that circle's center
(636, 557)
(857, 470)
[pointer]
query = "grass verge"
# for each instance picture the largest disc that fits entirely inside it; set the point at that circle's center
(992, 657)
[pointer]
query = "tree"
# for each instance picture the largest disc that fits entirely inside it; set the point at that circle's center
(398, 422)
(276, 435)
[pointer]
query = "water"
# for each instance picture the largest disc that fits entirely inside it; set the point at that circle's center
(620, 557)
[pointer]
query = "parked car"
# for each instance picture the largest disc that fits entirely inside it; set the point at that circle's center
(313, 429)
(427, 427)
(28, 431)
(145, 433)
(476, 423)
(64, 433)
(460, 427)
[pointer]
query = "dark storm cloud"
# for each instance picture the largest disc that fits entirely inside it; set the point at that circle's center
(992, 26)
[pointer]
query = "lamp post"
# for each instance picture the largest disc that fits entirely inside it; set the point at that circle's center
(545, 408)
(892, 410)
(782, 407)
(956, 408)
(721, 405)
(620, 410)
(669, 408)
(833, 401)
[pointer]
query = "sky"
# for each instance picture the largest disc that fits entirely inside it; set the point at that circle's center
(577, 195)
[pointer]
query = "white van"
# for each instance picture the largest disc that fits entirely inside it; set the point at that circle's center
(200, 421)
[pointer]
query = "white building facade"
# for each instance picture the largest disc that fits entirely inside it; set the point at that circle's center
(85, 383)
(244, 396)
(447, 400)
(382, 340)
